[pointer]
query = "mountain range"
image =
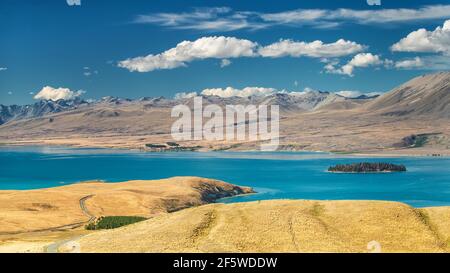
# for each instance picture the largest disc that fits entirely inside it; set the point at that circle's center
(305, 101)
(313, 120)
(425, 95)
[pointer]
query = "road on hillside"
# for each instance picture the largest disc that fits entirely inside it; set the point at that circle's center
(53, 248)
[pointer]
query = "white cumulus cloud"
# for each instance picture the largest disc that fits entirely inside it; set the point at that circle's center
(355, 94)
(265, 91)
(233, 92)
(3, 68)
(219, 47)
(185, 95)
(225, 19)
(225, 62)
(54, 94)
(87, 71)
(301, 16)
(423, 40)
(430, 62)
(73, 2)
(359, 60)
(316, 49)
(409, 63)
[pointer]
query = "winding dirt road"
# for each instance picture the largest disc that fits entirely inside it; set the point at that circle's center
(64, 227)
(84, 208)
(53, 248)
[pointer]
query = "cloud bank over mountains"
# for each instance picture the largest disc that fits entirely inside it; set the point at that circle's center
(230, 92)
(263, 92)
(55, 94)
(233, 92)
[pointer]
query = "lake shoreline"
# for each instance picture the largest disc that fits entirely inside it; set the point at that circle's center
(411, 152)
(276, 175)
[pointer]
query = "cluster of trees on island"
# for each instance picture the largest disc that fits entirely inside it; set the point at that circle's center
(366, 167)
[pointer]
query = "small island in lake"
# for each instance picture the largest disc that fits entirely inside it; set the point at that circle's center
(367, 167)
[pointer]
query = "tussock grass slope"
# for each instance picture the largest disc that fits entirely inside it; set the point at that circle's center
(282, 226)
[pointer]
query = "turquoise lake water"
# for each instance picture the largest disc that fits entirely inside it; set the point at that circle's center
(278, 175)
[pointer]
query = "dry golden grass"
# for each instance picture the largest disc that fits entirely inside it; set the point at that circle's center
(438, 218)
(36, 242)
(264, 226)
(280, 226)
(23, 247)
(32, 210)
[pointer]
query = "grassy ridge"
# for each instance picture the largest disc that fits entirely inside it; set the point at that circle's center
(283, 226)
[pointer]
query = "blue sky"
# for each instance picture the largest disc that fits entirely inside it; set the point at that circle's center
(82, 47)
